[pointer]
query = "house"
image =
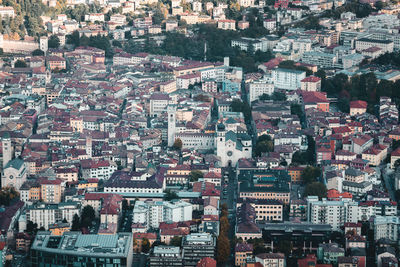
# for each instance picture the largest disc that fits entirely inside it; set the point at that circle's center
(358, 107)
(271, 259)
(348, 262)
(243, 251)
(383, 253)
(166, 235)
(311, 83)
(213, 177)
(211, 206)
(317, 100)
(158, 104)
(56, 63)
(138, 240)
(227, 24)
(375, 154)
(329, 253)
(394, 156)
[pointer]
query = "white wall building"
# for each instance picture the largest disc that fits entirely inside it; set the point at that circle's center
(288, 79)
(154, 212)
(257, 89)
(386, 227)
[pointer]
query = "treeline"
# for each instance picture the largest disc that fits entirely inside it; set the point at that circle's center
(361, 10)
(218, 44)
(388, 59)
(359, 87)
(26, 20)
(98, 41)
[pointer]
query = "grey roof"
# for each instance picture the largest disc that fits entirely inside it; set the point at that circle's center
(16, 163)
(353, 172)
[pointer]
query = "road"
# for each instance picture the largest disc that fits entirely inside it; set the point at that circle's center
(388, 180)
(229, 197)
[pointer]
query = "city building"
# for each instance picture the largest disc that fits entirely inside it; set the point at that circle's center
(197, 246)
(74, 248)
(287, 79)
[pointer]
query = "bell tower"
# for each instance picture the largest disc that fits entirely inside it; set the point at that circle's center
(171, 109)
(7, 149)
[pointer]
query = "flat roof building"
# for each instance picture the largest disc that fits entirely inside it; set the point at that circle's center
(76, 249)
(166, 256)
(197, 246)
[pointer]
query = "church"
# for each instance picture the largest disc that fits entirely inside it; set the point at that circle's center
(232, 146)
(230, 141)
(14, 171)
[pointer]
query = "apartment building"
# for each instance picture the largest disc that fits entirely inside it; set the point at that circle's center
(257, 89)
(387, 46)
(386, 227)
(287, 79)
(154, 212)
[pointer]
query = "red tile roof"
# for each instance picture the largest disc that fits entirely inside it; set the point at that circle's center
(207, 262)
(311, 79)
(358, 104)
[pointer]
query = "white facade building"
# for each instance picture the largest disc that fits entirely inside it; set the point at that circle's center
(154, 212)
(288, 79)
(386, 227)
(257, 89)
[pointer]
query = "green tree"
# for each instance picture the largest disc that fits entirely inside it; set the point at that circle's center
(37, 52)
(31, 228)
(195, 175)
(264, 144)
(285, 246)
(87, 217)
(223, 248)
(145, 245)
(7, 195)
(20, 64)
(54, 41)
(73, 38)
(296, 109)
(117, 43)
(176, 241)
(315, 189)
(177, 144)
(310, 174)
(224, 224)
(279, 96)
(75, 223)
(239, 106)
(170, 195)
(84, 41)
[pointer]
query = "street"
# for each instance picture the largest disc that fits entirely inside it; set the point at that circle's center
(388, 180)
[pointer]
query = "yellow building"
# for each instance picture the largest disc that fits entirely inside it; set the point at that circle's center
(179, 170)
(243, 251)
(168, 86)
(259, 193)
(58, 229)
(89, 184)
(68, 174)
(190, 18)
(295, 173)
(34, 193)
(375, 155)
(51, 190)
(76, 123)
